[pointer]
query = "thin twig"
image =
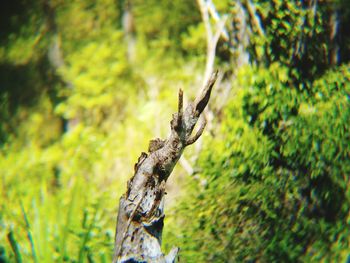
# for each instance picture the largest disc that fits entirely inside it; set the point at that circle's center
(217, 18)
(186, 165)
(197, 135)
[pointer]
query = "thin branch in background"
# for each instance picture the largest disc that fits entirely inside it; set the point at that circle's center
(205, 16)
(256, 21)
(212, 40)
(207, 9)
(334, 47)
(186, 165)
(241, 34)
(216, 16)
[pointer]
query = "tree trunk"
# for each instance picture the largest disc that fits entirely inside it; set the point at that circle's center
(141, 208)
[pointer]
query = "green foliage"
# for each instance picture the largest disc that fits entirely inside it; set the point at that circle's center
(297, 34)
(156, 19)
(88, 21)
(95, 90)
(276, 186)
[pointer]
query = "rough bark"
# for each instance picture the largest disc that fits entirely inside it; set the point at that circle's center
(141, 208)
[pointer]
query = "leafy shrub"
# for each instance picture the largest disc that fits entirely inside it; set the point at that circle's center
(277, 187)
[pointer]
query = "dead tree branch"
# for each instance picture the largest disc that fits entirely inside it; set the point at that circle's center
(141, 208)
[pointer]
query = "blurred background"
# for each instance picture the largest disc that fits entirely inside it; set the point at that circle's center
(84, 86)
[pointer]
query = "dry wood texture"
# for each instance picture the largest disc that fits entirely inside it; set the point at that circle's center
(141, 208)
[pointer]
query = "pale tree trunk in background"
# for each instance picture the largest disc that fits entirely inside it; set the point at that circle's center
(213, 35)
(55, 54)
(141, 208)
(128, 25)
(334, 46)
(243, 21)
(236, 36)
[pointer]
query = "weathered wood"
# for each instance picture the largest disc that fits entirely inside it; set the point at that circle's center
(141, 208)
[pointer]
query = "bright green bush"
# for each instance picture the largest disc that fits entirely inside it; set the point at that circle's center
(276, 186)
